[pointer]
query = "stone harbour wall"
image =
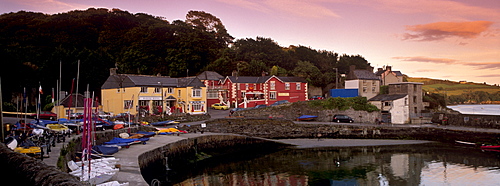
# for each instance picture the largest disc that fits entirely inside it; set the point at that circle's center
(282, 129)
(293, 110)
(467, 120)
(19, 169)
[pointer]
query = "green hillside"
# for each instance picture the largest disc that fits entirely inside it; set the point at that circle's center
(452, 87)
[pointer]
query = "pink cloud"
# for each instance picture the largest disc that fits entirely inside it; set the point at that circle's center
(442, 30)
(476, 65)
(309, 9)
(427, 59)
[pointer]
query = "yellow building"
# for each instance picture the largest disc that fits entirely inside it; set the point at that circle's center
(153, 95)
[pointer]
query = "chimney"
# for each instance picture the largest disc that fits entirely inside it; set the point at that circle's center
(264, 73)
(369, 68)
(379, 69)
(352, 68)
(388, 68)
(112, 71)
(235, 73)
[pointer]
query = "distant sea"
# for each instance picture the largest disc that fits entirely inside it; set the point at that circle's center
(487, 109)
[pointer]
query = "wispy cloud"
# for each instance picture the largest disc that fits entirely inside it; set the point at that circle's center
(445, 9)
(51, 6)
(308, 9)
(489, 75)
(442, 30)
(426, 59)
(476, 65)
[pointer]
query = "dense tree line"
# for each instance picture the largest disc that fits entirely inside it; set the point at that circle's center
(473, 97)
(33, 45)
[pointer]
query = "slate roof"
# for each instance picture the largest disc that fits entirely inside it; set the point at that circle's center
(263, 79)
(210, 75)
(129, 80)
(75, 100)
(363, 74)
(190, 82)
(387, 97)
(380, 72)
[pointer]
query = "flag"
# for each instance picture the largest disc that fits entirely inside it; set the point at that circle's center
(52, 95)
(40, 89)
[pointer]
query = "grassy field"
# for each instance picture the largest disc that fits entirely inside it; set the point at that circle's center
(451, 87)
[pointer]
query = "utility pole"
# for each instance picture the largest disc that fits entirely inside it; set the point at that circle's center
(336, 77)
(1, 113)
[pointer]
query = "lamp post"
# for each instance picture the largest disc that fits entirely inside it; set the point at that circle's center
(336, 78)
(161, 91)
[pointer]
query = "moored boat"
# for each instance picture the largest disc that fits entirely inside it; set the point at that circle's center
(306, 118)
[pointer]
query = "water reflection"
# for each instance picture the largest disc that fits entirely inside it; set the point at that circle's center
(422, 164)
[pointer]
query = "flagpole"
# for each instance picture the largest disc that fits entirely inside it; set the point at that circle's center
(1, 110)
(77, 80)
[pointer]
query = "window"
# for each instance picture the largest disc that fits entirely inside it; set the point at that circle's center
(179, 93)
(365, 89)
(157, 103)
(246, 86)
(287, 86)
(273, 85)
(197, 92)
(272, 95)
(118, 90)
(414, 99)
(144, 103)
(170, 90)
(387, 103)
(157, 90)
(406, 101)
(373, 89)
(144, 89)
(127, 104)
(212, 95)
(297, 86)
(243, 94)
(197, 106)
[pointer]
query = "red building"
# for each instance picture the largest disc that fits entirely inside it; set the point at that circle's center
(249, 91)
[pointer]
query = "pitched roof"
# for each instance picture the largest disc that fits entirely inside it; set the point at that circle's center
(190, 82)
(363, 74)
(248, 79)
(76, 99)
(129, 80)
(387, 97)
(264, 79)
(209, 75)
(292, 79)
(380, 72)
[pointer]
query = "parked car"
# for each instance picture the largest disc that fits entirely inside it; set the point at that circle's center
(124, 116)
(105, 115)
(279, 102)
(237, 109)
(260, 106)
(45, 115)
(219, 106)
(77, 115)
(342, 118)
(317, 97)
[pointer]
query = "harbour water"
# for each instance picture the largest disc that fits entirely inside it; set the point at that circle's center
(487, 109)
(416, 164)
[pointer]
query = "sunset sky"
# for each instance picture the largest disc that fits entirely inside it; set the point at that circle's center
(443, 39)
